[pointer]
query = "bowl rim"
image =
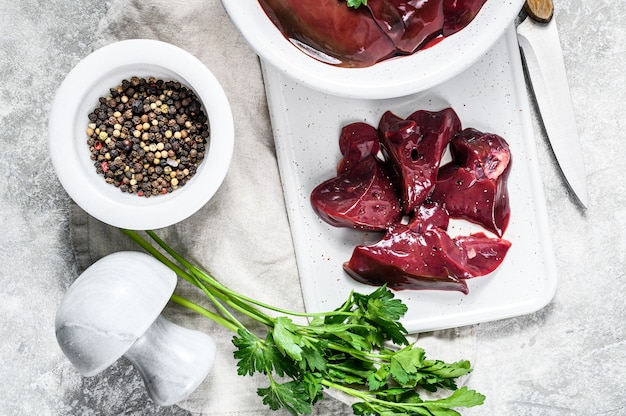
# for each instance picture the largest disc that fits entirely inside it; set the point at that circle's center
(395, 77)
(77, 96)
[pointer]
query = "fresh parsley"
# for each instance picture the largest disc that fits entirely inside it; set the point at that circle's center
(360, 348)
(356, 3)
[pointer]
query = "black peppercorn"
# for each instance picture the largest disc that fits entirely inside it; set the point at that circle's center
(137, 107)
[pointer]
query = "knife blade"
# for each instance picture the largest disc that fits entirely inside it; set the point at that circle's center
(541, 50)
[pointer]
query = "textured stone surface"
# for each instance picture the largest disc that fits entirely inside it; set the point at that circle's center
(40, 41)
(567, 359)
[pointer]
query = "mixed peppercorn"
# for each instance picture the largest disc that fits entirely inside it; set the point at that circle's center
(148, 136)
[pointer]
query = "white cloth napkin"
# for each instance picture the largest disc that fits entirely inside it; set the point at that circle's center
(242, 235)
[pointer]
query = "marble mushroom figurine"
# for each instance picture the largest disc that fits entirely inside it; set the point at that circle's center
(114, 309)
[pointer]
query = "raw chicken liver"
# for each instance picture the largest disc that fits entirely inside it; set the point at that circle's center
(474, 185)
(410, 25)
(362, 197)
(414, 147)
(332, 32)
(421, 255)
(410, 197)
(356, 142)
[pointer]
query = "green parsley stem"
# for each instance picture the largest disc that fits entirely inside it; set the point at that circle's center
(134, 235)
(215, 283)
(203, 275)
(196, 276)
(204, 312)
(403, 408)
(232, 298)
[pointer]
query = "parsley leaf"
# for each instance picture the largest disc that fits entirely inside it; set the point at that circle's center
(249, 353)
(292, 396)
(277, 361)
(356, 3)
(380, 308)
(410, 368)
(462, 397)
(287, 339)
(312, 359)
(408, 403)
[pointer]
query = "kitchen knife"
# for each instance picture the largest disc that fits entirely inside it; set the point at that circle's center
(541, 49)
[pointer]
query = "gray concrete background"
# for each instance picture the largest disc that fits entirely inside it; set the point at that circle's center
(567, 359)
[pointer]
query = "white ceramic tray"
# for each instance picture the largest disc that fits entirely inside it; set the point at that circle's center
(491, 96)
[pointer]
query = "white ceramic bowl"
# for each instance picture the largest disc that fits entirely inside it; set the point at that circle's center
(78, 96)
(392, 78)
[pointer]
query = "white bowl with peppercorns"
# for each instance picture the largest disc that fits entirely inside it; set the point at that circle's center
(141, 134)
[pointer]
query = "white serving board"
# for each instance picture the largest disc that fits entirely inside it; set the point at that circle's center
(491, 96)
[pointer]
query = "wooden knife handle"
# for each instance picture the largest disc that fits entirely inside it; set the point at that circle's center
(539, 10)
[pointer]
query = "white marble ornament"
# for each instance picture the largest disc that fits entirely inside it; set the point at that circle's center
(113, 310)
